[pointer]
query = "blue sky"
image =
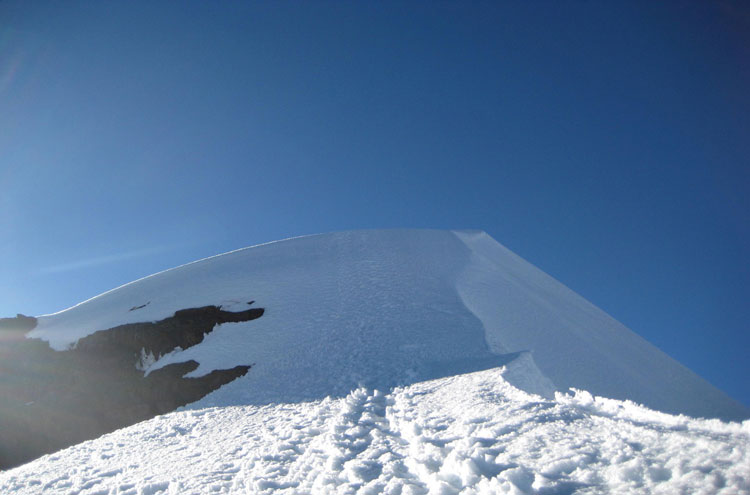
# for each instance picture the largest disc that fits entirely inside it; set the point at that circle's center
(607, 144)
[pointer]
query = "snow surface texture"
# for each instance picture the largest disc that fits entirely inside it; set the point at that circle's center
(387, 308)
(472, 433)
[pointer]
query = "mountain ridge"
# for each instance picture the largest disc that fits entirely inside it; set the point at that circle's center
(444, 280)
(399, 361)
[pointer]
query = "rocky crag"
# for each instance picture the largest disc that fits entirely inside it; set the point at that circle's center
(54, 399)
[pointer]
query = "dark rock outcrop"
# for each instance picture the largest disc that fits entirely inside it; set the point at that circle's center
(21, 323)
(53, 399)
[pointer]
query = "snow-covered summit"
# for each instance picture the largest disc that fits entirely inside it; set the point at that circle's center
(385, 308)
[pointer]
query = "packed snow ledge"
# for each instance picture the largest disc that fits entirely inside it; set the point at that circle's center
(472, 433)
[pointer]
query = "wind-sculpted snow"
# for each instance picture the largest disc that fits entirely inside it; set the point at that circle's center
(387, 308)
(467, 434)
(573, 342)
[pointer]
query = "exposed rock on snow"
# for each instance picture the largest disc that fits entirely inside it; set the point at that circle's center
(51, 399)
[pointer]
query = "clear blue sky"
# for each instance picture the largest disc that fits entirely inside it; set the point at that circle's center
(608, 143)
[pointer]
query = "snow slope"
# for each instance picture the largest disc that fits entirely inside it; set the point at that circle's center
(468, 434)
(380, 309)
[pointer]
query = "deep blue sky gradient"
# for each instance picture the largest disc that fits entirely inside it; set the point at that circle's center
(607, 143)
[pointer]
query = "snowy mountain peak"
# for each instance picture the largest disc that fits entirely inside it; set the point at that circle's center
(382, 308)
(393, 361)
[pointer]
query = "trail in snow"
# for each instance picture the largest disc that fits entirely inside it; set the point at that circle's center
(466, 434)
